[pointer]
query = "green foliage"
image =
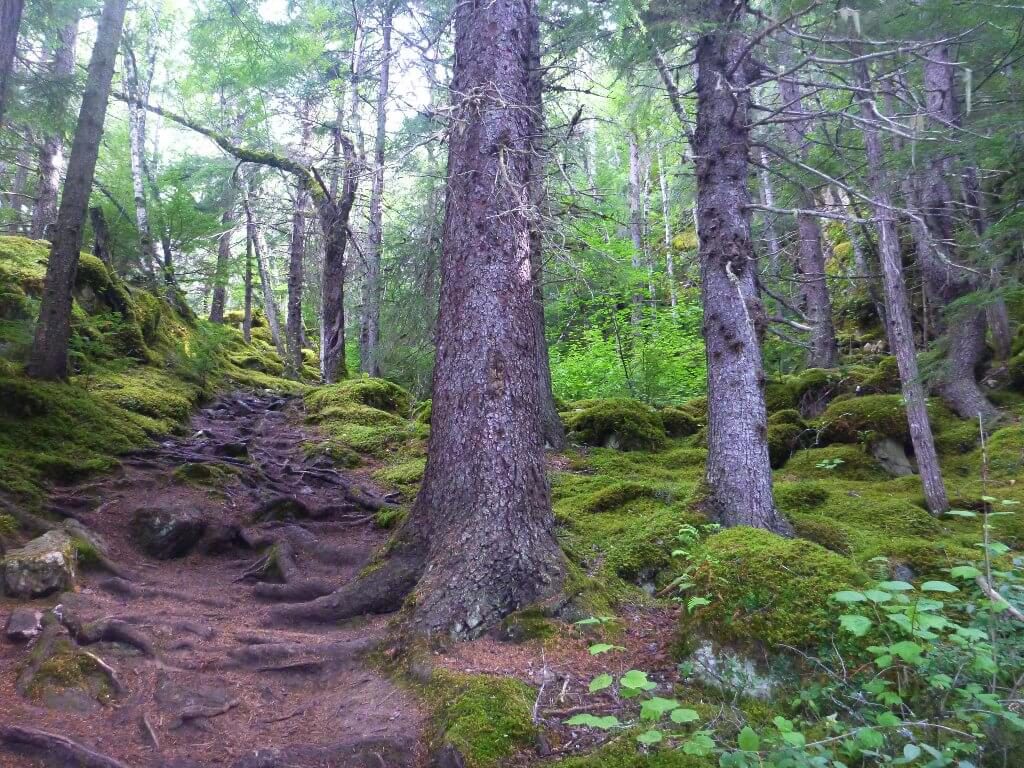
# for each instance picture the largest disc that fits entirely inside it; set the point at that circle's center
(617, 423)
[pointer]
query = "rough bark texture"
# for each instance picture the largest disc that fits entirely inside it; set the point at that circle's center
(900, 329)
(334, 214)
(100, 235)
(247, 305)
(269, 302)
(670, 267)
(739, 477)
(369, 333)
(49, 358)
(51, 150)
(137, 82)
(10, 21)
(552, 429)
(944, 282)
(824, 351)
(479, 539)
(636, 220)
(296, 270)
(220, 275)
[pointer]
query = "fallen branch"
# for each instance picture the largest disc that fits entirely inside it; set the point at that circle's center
(997, 598)
(199, 712)
(53, 745)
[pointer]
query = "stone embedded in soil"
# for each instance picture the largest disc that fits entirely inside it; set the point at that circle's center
(281, 508)
(23, 624)
(893, 457)
(43, 566)
(167, 533)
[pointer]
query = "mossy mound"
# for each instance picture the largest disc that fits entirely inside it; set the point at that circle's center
(680, 422)
(615, 423)
(863, 419)
(848, 462)
(624, 753)
(783, 440)
(484, 718)
(380, 394)
(766, 589)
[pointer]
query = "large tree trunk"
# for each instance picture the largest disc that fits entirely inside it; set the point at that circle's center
(479, 539)
(739, 476)
(945, 283)
(10, 21)
(369, 334)
(901, 332)
(334, 225)
(247, 301)
(296, 259)
(552, 429)
(771, 232)
(220, 275)
(670, 267)
(100, 236)
(824, 351)
(636, 221)
(49, 358)
(51, 151)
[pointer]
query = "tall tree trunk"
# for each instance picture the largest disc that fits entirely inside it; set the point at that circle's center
(100, 236)
(479, 540)
(137, 80)
(10, 21)
(552, 429)
(369, 334)
(824, 351)
(334, 215)
(739, 477)
(51, 150)
(901, 332)
(49, 358)
(247, 301)
(269, 302)
(296, 258)
(636, 221)
(945, 283)
(670, 267)
(771, 232)
(220, 275)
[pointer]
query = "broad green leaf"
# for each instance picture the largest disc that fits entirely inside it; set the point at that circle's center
(655, 707)
(649, 737)
(856, 625)
(895, 586)
(849, 596)
(907, 650)
(600, 682)
(637, 680)
(597, 648)
(684, 716)
(877, 596)
(699, 745)
(748, 740)
(888, 720)
(961, 513)
(784, 725)
(794, 739)
(938, 586)
(911, 752)
(593, 721)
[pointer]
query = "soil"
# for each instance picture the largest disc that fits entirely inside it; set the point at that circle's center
(221, 687)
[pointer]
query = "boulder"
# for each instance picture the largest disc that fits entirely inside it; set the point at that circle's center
(42, 567)
(23, 624)
(892, 456)
(166, 533)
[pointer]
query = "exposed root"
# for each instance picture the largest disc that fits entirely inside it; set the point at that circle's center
(77, 530)
(277, 563)
(268, 656)
(296, 591)
(53, 746)
(199, 711)
(124, 588)
(113, 631)
(380, 591)
(115, 681)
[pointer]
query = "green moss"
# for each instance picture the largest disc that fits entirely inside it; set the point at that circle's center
(821, 531)
(625, 753)
(883, 379)
(375, 393)
(208, 473)
(339, 454)
(406, 476)
(765, 588)
(680, 422)
(862, 419)
(355, 413)
(390, 517)
(783, 440)
(70, 669)
(780, 395)
(787, 416)
(616, 422)
(801, 496)
(1015, 372)
(684, 458)
(847, 462)
(527, 624)
(424, 412)
(485, 718)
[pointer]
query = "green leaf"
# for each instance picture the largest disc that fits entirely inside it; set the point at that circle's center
(794, 739)
(784, 725)
(696, 602)
(849, 596)
(911, 752)
(748, 740)
(938, 586)
(593, 721)
(877, 596)
(888, 720)
(597, 648)
(637, 680)
(684, 716)
(961, 513)
(655, 707)
(600, 682)
(895, 586)
(856, 625)
(907, 650)
(649, 737)
(699, 745)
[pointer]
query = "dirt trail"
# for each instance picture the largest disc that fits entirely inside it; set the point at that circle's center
(218, 687)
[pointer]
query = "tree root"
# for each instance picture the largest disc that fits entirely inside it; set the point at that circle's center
(112, 631)
(296, 591)
(77, 530)
(57, 746)
(380, 591)
(269, 656)
(124, 588)
(198, 712)
(278, 562)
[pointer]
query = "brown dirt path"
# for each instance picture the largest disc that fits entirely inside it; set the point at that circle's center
(222, 689)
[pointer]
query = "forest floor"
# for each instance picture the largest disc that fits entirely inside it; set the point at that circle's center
(216, 686)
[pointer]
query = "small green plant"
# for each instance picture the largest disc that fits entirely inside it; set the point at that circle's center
(829, 464)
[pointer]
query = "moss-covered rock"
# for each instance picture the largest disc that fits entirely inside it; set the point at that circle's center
(625, 753)
(45, 565)
(821, 531)
(863, 419)
(380, 394)
(680, 422)
(766, 589)
(783, 440)
(616, 423)
(780, 395)
(847, 462)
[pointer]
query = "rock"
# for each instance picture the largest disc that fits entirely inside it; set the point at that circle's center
(42, 567)
(221, 538)
(892, 457)
(281, 508)
(234, 450)
(23, 625)
(732, 670)
(167, 533)
(449, 757)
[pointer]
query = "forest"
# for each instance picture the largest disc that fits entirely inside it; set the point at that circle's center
(507, 383)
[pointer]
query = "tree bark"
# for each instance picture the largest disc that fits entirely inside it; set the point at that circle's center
(636, 221)
(100, 236)
(369, 334)
(670, 267)
(269, 302)
(49, 358)
(824, 351)
(901, 333)
(247, 301)
(51, 150)
(945, 283)
(739, 478)
(10, 21)
(220, 275)
(552, 429)
(296, 259)
(137, 83)
(479, 540)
